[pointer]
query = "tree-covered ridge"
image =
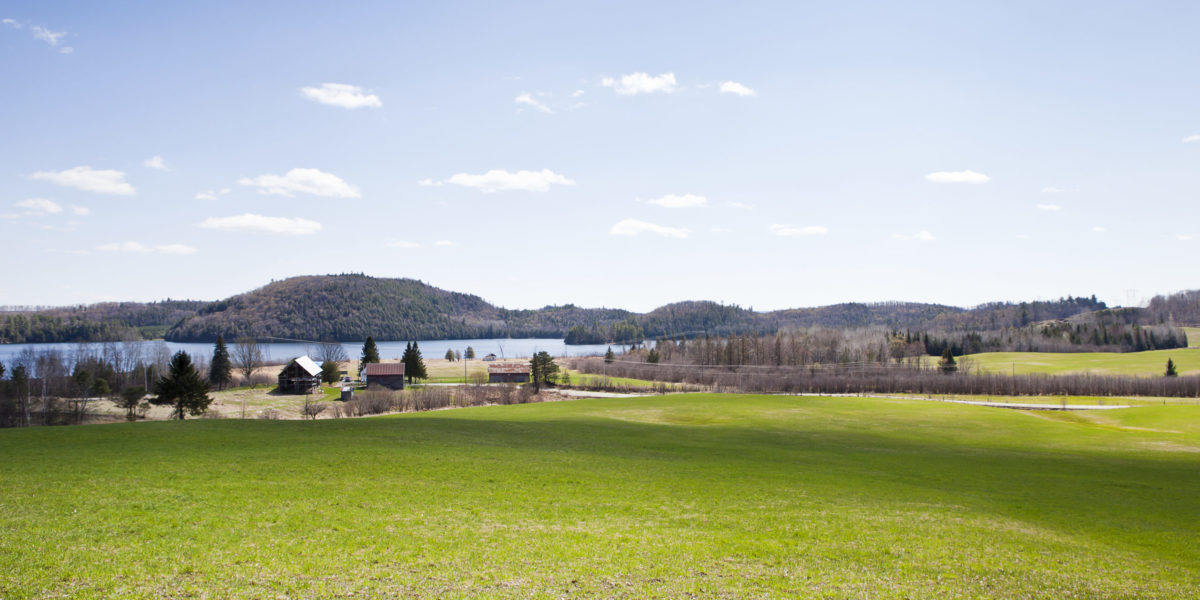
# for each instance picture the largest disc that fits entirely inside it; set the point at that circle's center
(106, 321)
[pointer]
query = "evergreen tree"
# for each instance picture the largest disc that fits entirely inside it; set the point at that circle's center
(469, 354)
(947, 364)
(652, 356)
(220, 371)
(182, 387)
(414, 367)
(330, 371)
(609, 356)
(542, 370)
(370, 354)
(449, 355)
(1171, 372)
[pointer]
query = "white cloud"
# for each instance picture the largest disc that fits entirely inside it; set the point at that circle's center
(1049, 207)
(733, 87)
(741, 205)
(676, 201)
(80, 211)
(957, 177)
(123, 247)
(444, 243)
(46, 35)
(577, 93)
(252, 223)
(531, 101)
(790, 230)
(11, 23)
(1099, 229)
(140, 248)
(304, 181)
(212, 194)
(1192, 138)
(720, 230)
(1183, 237)
(634, 227)
(920, 236)
(101, 181)
(175, 249)
(641, 83)
(39, 206)
(498, 180)
(402, 245)
(341, 94)
(1051, 190)
(429, 182)
(155, 162)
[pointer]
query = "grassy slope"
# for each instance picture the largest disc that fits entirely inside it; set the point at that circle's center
(717, 496)
(1150, 363)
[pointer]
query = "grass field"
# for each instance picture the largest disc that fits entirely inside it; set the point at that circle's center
(1193, 335)
(1147, 364)
(704, 495)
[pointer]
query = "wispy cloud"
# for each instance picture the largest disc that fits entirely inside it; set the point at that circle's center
(635, 227)
(341, 94)
(52, 38)
(1049, 207)
(80, 211)
(957, 177)
(1051, 190)
(429, 182)
(1192, 138)
(741, 205)
(529, 100)
(444, 243)
(641, 83)
(155, 162)
(302, 181)
(733, 87)
(679, 201)
(499, 180)
(1183, 237)
(577, 93)
(1099, 229)
(139, 248)
(101, 181)
(791, 230)
(252, 223)
(37, 207)
(920, 236)
(402, 245)
(212, 194)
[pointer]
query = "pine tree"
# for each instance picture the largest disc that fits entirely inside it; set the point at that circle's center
(370, 354)
(417, 369)
(220, 370)
(182, 387)
(947, 364)
(1171, 372)
(609, 356)
(469, 354)
(542, 370)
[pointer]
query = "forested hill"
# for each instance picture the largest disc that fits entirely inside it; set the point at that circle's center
(351, 307)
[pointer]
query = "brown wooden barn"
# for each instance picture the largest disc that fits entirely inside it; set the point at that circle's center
(508, 373)
(389, 375)
(300, 376)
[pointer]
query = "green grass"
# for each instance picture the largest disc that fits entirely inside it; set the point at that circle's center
(586, 379)
(1193, 336)
(710, 496)
(1147, 364)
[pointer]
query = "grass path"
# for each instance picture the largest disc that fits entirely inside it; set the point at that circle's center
(712, 496)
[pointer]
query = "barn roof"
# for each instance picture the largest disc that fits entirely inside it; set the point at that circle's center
(396, 368)
(307, 364)
(508, 368)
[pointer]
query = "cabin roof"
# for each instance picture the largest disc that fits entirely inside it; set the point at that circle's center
(307, 364)
(396, 368)
(508, 368)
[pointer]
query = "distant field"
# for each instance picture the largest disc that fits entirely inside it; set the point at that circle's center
(711, 496)
(1151, 363)
(1193, 335)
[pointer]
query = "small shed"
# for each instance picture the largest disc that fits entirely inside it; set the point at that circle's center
(490, 357)
(300, 376)
(508, 373)
(389, 375)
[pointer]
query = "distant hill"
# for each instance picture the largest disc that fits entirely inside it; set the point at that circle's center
(350, 307)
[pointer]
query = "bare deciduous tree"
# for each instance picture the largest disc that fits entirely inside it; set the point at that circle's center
(247, 356)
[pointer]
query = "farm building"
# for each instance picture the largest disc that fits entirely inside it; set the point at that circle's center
(508, 373)
(490, 357)
(389, 375)
(300, 376)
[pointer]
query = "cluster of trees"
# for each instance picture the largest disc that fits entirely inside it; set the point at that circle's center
(1056, 336)
(1182, 308)
(103, 322)
(626, 331)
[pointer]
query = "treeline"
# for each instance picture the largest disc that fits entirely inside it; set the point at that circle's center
(103, 322)
(1057, 336)
(910, 377)
(623, 332)
(1182, 308)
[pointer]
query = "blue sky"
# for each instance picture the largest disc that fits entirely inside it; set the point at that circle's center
(605, 154)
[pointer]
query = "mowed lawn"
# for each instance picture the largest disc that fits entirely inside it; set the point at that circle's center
(714, 496)
(1145, 364)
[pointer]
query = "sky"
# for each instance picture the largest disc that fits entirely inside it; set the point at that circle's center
(617, 154)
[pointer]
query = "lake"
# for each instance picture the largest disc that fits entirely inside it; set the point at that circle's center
(279, 352)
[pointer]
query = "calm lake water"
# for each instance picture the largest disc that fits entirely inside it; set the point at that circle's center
(502, 348)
